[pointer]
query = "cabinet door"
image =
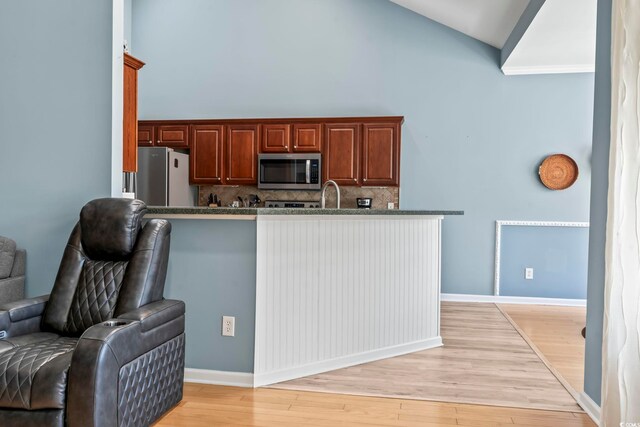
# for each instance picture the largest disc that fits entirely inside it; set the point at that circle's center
(381, 154)
(241, 154)
(341, 153)
(206, 154)
(130, 120)
(275, 139)
(174, 136)
(146, 135)
(307, 138)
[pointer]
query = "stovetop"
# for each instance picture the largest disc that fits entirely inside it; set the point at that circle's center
(291, 204)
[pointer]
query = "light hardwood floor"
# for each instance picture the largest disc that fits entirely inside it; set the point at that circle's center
(207, 406)
(556, 333)
(484, 361)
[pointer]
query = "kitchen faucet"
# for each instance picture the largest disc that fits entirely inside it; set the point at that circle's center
(324, 189)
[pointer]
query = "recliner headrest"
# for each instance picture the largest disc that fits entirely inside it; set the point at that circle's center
(109, 227)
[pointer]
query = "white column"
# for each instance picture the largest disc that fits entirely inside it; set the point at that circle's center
(621, 345)
(117, 97)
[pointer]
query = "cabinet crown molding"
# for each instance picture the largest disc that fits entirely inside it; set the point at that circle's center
(273, 120)
(133, 62)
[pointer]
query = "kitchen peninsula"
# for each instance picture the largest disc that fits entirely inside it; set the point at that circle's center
(312, 290)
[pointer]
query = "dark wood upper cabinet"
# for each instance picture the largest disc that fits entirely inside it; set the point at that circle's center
(146, 135)
(162, 134)
(130, 113)
(381, 154)
(241, 154)
(356, 151)
(173, 136)
(275, 138)
(307, 138)
(206, 154)
(341, 153)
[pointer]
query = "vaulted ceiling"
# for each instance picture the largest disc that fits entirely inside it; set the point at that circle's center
(535, 36)
(490, 21)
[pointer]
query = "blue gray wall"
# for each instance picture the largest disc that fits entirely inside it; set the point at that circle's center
(473, 138)
(599, 195)
(213, 269)
(55, 123)
(558, 256)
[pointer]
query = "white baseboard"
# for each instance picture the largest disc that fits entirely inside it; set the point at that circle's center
(343, 362)
(206, 376)
(243, 379)
(590, 407)
(501, 299)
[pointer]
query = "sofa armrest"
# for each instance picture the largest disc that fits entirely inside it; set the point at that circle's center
(23, 316)
(106, 349)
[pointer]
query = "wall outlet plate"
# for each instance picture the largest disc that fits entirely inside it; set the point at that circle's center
(528, 273)
(228, 326)
(391, 205)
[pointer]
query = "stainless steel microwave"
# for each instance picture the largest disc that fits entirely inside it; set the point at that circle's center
(289, 171)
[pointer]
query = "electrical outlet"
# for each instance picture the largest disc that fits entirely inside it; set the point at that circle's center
(391, 205)
(528, 273)
(228, 326)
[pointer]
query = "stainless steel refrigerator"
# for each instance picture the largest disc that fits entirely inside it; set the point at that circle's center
(163, 178)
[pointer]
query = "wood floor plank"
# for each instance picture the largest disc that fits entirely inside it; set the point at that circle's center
(482, 356)
(484, 360)
(555, 331)
(208, 405)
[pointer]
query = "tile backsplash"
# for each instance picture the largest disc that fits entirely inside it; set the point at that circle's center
(227, 193)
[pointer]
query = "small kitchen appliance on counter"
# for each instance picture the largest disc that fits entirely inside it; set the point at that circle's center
(364, 202)
(291, 204)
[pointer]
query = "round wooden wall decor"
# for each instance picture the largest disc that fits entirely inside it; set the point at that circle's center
(558, 172)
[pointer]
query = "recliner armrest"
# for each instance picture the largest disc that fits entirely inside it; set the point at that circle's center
(155, 314)
(105, 348)
(22, 310)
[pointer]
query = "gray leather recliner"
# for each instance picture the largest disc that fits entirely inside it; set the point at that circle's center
(104, 348)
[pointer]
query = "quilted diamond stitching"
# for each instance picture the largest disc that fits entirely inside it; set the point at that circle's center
(19, 365)
(151, 384)
(96, 295)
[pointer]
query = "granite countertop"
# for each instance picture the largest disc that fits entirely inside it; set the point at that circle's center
(159, 211)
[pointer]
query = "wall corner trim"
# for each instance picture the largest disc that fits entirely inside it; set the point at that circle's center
(500, 223)
(590, 407)
(207, 376)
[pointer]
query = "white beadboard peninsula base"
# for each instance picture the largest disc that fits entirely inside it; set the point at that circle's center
(337, 291)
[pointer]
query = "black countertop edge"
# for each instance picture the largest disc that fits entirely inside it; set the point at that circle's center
(294, 211)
